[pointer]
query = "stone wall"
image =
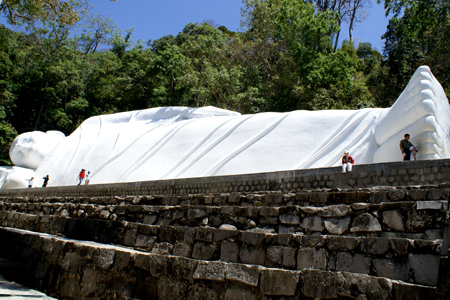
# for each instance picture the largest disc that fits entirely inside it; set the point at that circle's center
(75, 269)
(380, 232)
(430, 172)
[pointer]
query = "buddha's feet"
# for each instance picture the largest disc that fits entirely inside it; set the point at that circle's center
(423, 111)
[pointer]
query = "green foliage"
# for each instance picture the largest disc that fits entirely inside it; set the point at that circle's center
(282, 61)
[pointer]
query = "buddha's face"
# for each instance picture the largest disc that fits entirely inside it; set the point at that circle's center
(29, 149)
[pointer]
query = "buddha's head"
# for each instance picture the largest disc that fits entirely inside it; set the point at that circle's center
(29, 149)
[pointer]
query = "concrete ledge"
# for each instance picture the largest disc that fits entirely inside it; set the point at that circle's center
(430, 172)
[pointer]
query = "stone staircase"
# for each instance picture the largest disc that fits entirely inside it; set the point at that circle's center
(303, 234)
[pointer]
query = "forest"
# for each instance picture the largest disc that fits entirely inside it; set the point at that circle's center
(285, 58)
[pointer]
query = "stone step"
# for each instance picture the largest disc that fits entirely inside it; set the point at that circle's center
(366, 255)
(414, 219)
(76, 269)
(322, 197)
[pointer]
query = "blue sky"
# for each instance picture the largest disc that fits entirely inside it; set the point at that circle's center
(153, 19)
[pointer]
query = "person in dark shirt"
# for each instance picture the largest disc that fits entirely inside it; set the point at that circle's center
(46, 179)
(405, 146)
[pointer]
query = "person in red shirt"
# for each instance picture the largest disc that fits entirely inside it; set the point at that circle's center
(347, 162)
(81, 176)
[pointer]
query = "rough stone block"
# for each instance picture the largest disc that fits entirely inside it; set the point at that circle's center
(289, 259)
(203, 251)
(290, 219)
(432, 205)
(318, 284)
(162, 248)
(334, 211)
(157, 265)
(426, 268)
(365, 223)
(252, 256)
(400, 246)
(275, 254)
(311, 258)
(355, 263)
(240, 294)
(130, 237)
(196, 213)
(279, 282)
(243, 273)
(393, 219)
(436, 194)
(185, 234)
(341, 243)
(374, 245)
(273, 198)
(368, 287)
(391, 268)
(252, 238)
(145, 241)
(210, 270)
(310, 209)
(104, 257)
(183, 268)
(204, 234)
(404, 291)
(229, 251)
(182, 249)
(122, 260)
(417, 194)
(312, 223)
(337, 226)
(168, 289)
(268, 211)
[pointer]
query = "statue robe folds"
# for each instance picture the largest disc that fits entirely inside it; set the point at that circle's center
(180, 142)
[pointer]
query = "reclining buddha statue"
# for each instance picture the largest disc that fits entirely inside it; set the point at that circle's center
(180, 142)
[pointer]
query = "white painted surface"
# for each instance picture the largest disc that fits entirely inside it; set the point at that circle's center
(179, 142)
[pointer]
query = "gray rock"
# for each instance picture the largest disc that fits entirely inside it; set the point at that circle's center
(252, 238)
(227, 227)
(318, 284)
(229, 251)
(341, 243)
(311, 258)
(334, 211)
(162, 248)
(290, 219)
(312, 223)
(130, 237)
(183, 268)
(252, 256)
(426, 268)
(210, 270)
(310, 209)
(368, 287)
(104, 257)
(374, 245)
(390, 268)
(360, 206)
(279, 282)
(393, 219)
(182, 249)
(434, 205)
(337, 226)
(356, 263)
(203, 251)
(243, 273)
(275, 254)
(240, 294)
(365, 223)
(145, 241)
(196, 213)
(157, 265)
(289, 259)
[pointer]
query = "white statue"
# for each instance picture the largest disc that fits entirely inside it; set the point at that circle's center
(179, 142)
